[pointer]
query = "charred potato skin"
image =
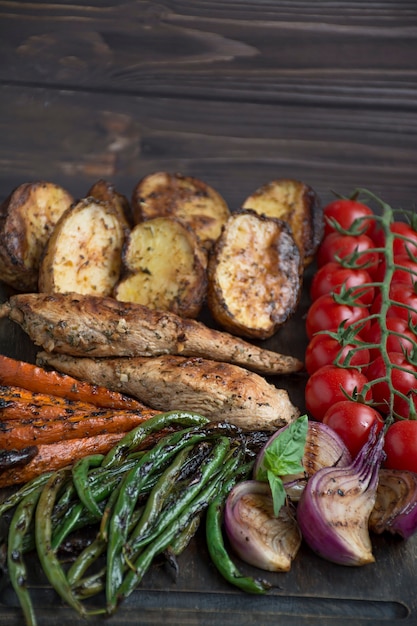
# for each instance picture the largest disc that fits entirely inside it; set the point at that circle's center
(296, 203)
(80, 261)
(106, 191)
(254, 302)
(185, 197)
(164, 267)
(27, 219)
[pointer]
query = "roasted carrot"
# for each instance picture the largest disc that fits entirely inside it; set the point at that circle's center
(55, 456)
(37, 379)
(17, 434)
(19, 403)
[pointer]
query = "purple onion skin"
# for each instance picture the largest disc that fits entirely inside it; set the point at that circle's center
(333, 530)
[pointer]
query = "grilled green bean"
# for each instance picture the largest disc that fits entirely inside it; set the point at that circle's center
(134, 437)
(81, 483)
(217, 549)
(19, 526)
(43, 534)
(177, 526)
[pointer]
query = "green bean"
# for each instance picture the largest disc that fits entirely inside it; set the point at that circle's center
(180, 542)
(43, 533)
(81, 483)
(19, 526)
(85, 559)
(13, 499)
(211, 464)
(90, 585)
(217, 550)
(175, 528)
(162, 488)
(134, 437)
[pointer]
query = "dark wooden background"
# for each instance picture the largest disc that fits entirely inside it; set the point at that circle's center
(237, 93)
(234, 92)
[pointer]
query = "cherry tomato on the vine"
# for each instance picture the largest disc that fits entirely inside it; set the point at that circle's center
(401, 445)
(324, 350)
(330, 278)
(326, 314)
(336, 246)
(405, 273)
(329, 385)
(345, 212)
(403, 305)
(403, 377)
(404, 244)
(353, 422)
(400, 338)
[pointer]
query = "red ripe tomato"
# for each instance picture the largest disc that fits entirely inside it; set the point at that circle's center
(326, 314)
(404, 303)
(329, 385)
(406, 272)
(345, 213)
(353, 422)
(400, 337)
(403, 379)
(336, 246)
(401, 246)
(331, 277)
(401, 446)
(324, 350)
(407, 409)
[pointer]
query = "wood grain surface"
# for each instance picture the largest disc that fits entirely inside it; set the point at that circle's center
(237, 93)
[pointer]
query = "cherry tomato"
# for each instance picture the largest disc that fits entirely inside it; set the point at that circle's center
(353, 422)
(401, 446)
(324, 350)
(336, 246)
(345, 212)
(329, 385)
(331, 277)
(406, 272)
(326, 314)
(400, 337)
(407, 409)
(401, 247)
(404, 303)
(403, 378)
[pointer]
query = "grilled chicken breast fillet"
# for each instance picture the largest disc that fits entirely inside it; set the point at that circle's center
(85, 325)
(219, 391)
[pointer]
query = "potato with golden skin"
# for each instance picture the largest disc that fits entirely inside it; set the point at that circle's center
(297, 204)
(254, 275)
(164, 268)
(185, 197)
(27, 219)
(84, 252)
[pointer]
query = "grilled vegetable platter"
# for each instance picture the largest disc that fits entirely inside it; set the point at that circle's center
(208, 413)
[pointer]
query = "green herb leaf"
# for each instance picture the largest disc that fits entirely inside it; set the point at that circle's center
(283, 456)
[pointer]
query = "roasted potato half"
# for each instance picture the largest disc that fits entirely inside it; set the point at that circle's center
(103, 190)
(296, 203)
(254, 275)
(84, 252)
(190, 199)
(165, 268)
(27, 218)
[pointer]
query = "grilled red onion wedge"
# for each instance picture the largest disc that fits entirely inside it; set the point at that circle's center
(256, 535)
(395, 509)
(334, 509)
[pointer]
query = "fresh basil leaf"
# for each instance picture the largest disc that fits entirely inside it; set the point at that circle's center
(278, 492)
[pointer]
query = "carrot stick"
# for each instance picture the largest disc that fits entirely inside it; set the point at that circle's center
(37, 379)
(55, 456)
(17, 434)
(58, 455)
(19, 403)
